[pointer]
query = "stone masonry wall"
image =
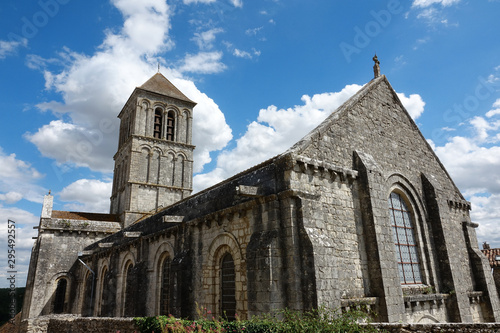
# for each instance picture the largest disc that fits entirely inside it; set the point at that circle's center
(333, 226)
(194, 234)
(375, 125)
(62, 239)
(150, 172)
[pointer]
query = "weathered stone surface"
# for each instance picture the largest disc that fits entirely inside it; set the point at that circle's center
(310, 227)
(74, 324)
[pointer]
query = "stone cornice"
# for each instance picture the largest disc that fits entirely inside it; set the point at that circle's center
(323, 169)
(163, 141)
(459, 204)
(79, 226)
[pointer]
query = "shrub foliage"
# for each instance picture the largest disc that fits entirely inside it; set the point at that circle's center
(284, 321)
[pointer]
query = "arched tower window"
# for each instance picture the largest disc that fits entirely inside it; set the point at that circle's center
(158, 123)
(60, 296)
(404, 239)
(165, 287)
(228, 287)
(170, 125)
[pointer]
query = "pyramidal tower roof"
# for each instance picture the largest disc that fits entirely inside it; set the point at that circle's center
(161, 85)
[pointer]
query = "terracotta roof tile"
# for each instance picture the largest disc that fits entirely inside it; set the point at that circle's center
(59, 214)
(492, 254)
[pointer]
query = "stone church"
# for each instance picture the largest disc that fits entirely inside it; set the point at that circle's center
(359, 212)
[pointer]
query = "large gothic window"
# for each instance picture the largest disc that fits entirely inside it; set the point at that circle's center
(158, 123)
(228, 287)
(170, 126)
(60, 296)
(404, 239)
(165, 287)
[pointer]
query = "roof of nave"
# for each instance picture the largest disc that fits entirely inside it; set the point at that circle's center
(60, 214)
(492, 255)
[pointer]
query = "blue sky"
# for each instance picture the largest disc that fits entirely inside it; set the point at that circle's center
(264, 73)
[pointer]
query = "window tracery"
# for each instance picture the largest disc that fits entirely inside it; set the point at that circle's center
(403, 232)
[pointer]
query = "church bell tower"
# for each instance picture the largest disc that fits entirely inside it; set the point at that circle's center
(154, 161)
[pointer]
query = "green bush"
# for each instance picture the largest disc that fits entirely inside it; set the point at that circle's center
(320, 320)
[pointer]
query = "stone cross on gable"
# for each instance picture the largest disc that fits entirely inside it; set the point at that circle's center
(376, 67)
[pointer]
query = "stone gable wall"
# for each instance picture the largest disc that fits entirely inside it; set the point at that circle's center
(59, 243)
(377, 134)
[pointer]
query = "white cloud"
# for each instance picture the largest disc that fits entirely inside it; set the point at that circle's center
(413, 104)
(74, 144)
(95, 87)
(432, 13)
(18, 180)
(482, 127)
(245, 54)
(473, 163)
(254, 31)
(13, 169)
(89, 195)
(24, 222)
(476, 169)
(427, 3)
(205, 39)
(495, 111)
(242, 54)
(203, 62)
(10, 47)
(237, 3)
(276, 130)
(188, 2)
(486, 211)
(11, 197)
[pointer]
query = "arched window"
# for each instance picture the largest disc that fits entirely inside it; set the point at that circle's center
(129, 310)
(228, 287)
(87, 294)
(60, 296)
(165, 287)
(186, 126)
(170, 125)
(143, 175)
(179, 171)
(158, 123)
(105, 307)
(404, 240)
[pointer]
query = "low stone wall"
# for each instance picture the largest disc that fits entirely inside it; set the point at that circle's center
(75, 324)
(439, 328)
